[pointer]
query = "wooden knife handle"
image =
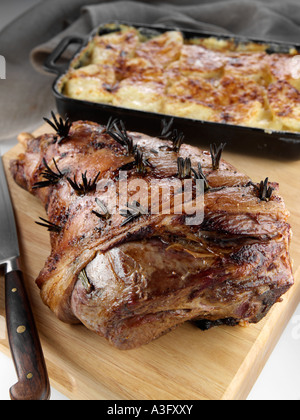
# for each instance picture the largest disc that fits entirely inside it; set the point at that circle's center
(26, 350)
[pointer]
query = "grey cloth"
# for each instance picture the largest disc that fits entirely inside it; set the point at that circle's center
(26, 95)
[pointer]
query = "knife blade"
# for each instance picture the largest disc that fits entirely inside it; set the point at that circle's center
(24, 342)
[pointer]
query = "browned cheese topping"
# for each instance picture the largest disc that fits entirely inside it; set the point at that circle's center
(204, 79)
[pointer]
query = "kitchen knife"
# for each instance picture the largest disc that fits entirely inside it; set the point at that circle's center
(25, 346)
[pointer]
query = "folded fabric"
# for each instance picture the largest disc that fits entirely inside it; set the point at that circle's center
(25, 95)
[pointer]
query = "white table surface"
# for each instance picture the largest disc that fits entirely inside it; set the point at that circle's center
(280, 378)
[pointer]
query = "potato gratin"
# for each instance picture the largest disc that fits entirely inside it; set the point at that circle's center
(206, 79)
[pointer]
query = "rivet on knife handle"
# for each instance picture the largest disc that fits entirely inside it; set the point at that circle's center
(33, 382)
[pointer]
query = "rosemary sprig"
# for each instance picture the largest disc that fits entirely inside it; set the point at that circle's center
(200, 175)
(133, 212)
(110, 125)
(105, 215)
(116, 129)
(166, 131)
(61, 127)
(174, 135)
(141, 163)
(265, 192)
(51, 177)
(216, 153)
(85, 281)
(184, 168)
(51, 227)
(177, 139)
(86, 187)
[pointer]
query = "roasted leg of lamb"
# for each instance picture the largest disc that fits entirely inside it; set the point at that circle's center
(132, 275)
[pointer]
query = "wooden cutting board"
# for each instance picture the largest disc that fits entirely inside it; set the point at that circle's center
(222, 363)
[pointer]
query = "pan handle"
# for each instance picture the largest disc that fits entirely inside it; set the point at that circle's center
(51, 62)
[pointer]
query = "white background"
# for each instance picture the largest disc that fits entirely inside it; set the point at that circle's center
(280, 378)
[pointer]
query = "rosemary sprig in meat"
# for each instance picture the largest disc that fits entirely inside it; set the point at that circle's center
(184, 168)
(116, 129)
(265, 192)
(166, 131)
(51, 227)
(177, 139)
(50, 176)
(110, 125)
(134, 211)
(104, 213)
(200, 175)
(86, 186)
(174, 135)
(61, 127)
(141, 163)
(216, 153)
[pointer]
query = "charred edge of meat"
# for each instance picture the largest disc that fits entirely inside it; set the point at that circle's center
(134, 211)
(116, 129)
(265, 192)
(85, 281)
(205, 324)
(184, 168)
(216, 153)
(105, 215)
(51, 227)
(174, 135)
(51, 177)
(61, 127)
(86, 186)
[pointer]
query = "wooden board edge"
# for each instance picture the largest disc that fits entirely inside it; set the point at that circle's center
(259, 353)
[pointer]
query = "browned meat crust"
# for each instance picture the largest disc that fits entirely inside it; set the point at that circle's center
(156, 272)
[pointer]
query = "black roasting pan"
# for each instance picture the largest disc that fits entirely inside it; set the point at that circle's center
(256, 141)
